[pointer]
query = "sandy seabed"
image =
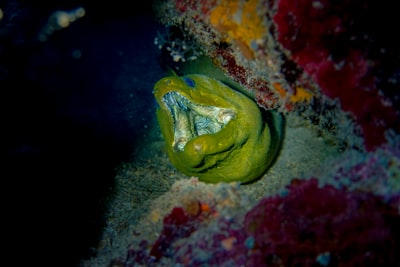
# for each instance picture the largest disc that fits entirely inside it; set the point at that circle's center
(147, 188)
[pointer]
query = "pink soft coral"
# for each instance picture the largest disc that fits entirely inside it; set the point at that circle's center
(313, 224)
(322, 38)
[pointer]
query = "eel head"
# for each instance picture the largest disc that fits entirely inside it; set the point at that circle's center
(214, 132)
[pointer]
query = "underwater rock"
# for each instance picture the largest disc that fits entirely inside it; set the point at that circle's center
(305, 225)
(327, 62)
(299, 227)
(214, 132)
(331, 48)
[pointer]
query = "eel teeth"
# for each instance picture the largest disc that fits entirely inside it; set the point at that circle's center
(192, 120)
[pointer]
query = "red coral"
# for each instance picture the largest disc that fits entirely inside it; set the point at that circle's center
(223, 247)
(177, 224)
(358, 94)
(228, 63)
(265, 97)
(306, 226)
(318, 35)
(310, 223)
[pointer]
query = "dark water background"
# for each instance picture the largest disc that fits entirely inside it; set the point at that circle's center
(72, 109)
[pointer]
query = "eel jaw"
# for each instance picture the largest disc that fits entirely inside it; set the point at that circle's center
(192, 120)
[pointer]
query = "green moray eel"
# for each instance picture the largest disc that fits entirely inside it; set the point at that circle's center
(214, 132)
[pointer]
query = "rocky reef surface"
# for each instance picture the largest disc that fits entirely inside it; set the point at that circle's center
(331, 198)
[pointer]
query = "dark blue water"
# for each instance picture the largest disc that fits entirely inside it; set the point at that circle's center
(72, 109)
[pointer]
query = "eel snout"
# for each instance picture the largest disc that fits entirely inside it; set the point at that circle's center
(192, 120)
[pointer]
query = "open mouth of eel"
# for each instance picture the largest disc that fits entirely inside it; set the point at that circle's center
(192, 120)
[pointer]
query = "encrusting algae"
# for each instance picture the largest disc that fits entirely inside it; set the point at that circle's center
(241, 24)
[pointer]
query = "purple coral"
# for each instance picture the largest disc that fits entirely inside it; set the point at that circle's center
(179, 223)
(307, 225)
(314, 226)
(329, 42)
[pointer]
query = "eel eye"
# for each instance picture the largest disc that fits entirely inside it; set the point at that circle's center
(189, 82)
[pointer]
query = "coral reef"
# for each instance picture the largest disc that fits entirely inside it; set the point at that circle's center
(346, 214)
(307, 225)
(327, 48)
(302, 58)
(325, 225)
(242, 22)
(377, 172)
(326, 64)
